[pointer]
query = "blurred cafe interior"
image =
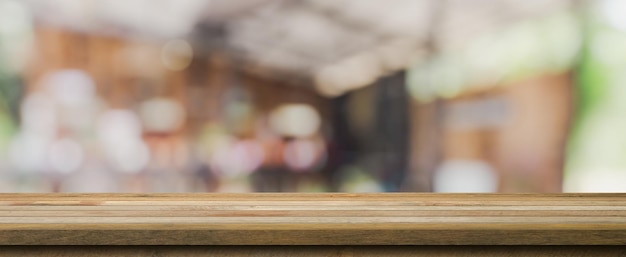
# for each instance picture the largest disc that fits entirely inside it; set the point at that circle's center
(313, 96)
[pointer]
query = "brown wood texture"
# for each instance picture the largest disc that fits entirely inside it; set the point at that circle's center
(313, 251)
(312, 219)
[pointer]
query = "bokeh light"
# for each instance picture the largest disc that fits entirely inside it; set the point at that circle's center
(295, 120)
(65, 156)
(161, 115)
(176, 55)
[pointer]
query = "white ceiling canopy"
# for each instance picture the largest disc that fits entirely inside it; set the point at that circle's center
(332, 42)
(159, 18)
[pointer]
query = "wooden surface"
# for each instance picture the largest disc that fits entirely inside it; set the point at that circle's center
(313, 251)
(312, 219)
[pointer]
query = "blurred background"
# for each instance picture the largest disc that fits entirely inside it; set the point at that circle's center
(312, 96)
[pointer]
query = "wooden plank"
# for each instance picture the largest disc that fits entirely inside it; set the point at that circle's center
(304, 213)
(312, 219)
(314, 196)
(313, 251)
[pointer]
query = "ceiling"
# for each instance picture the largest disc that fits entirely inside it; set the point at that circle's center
(338, 44)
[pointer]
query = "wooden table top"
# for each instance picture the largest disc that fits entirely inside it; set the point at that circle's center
(313, 219)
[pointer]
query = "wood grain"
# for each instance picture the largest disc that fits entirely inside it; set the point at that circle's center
(313, 251)
(312, 219)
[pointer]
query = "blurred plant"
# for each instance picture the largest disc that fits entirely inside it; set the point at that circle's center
(545, 45)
